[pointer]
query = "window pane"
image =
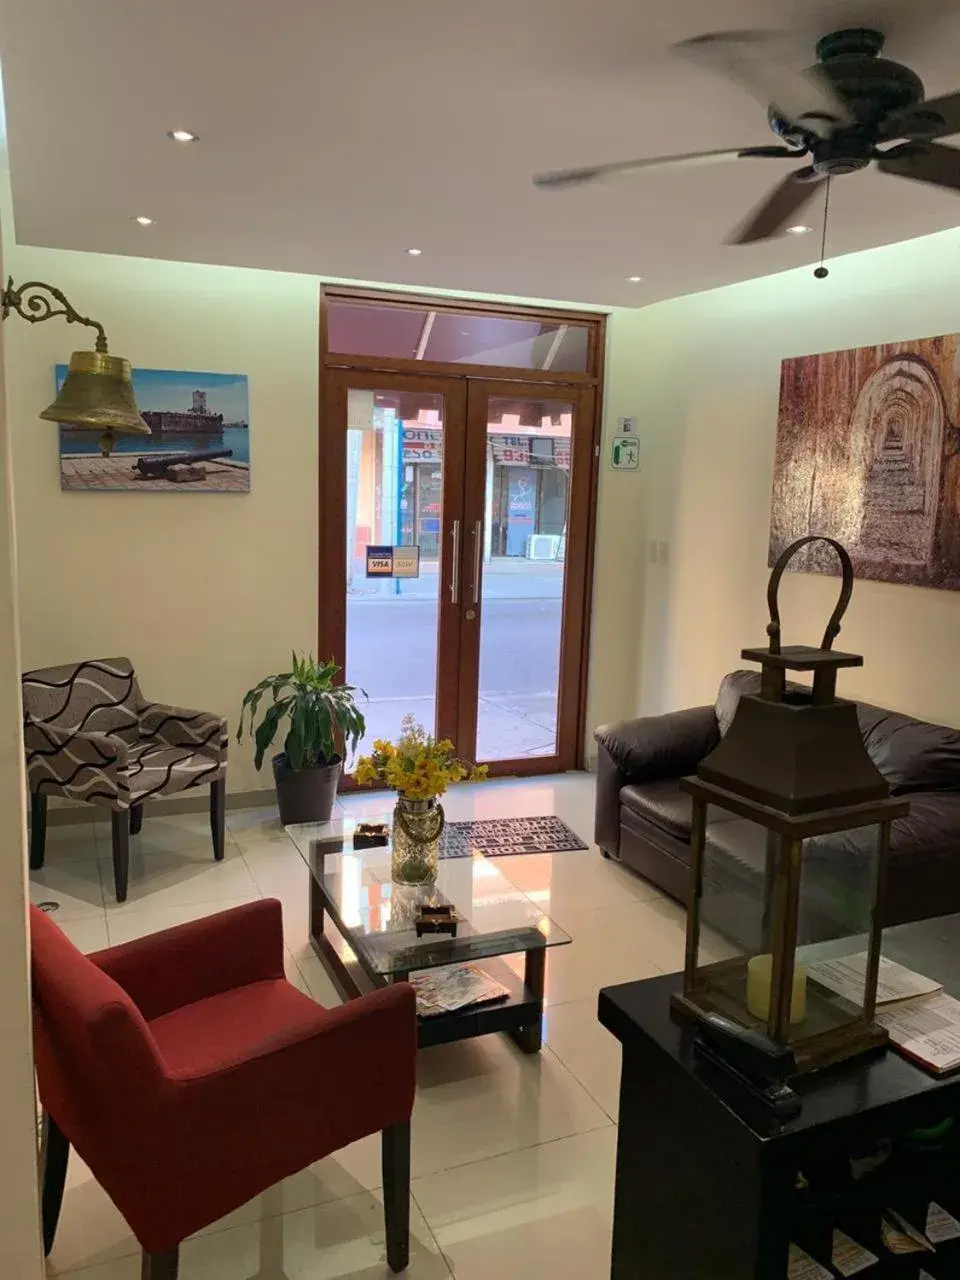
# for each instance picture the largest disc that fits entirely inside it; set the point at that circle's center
(449, 337)
(523, 554)
(358, 330)
(394, 494)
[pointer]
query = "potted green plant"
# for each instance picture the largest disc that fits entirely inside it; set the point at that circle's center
(323, 721)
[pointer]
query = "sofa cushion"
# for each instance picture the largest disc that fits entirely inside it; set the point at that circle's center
(665, 806)
(661, 803)
(911, 754)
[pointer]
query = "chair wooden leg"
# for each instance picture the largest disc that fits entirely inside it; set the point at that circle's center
(218, 816)
(395, 1151)
(38, 828)
(120, 828)
(136, 819)
(54, 1154)
(160, 1266)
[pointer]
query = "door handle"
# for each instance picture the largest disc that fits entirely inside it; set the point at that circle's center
(477, 551)
(455, 575)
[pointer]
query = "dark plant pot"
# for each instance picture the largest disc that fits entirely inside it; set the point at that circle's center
(305, 795)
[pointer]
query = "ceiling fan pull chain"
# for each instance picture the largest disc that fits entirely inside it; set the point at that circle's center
(822, 272)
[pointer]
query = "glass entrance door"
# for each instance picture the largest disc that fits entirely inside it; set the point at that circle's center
(522, 628)
(454, 567)
(399, 537)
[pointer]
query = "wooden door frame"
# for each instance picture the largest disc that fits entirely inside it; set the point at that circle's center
(337, 372)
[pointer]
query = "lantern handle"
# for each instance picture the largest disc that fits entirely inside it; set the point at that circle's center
(846, 590)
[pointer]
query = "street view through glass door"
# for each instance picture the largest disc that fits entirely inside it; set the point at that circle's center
(519, 569)
(395, 499)
(460, 535)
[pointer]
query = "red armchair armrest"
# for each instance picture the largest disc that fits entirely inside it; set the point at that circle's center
(206, 957)
(378, 1030)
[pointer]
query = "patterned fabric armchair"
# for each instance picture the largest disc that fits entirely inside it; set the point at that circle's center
(91, 735)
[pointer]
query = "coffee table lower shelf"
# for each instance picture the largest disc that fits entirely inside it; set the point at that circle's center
(520, 1015)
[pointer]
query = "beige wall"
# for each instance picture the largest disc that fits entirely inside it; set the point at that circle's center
(208, 593)
(20, 1256)
(713, 414)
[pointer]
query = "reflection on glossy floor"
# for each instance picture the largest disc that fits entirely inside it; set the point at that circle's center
(513, 1156)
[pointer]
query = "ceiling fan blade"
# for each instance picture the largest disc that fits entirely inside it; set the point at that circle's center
(924, 161)
(749, 58)
(593, 173)
(780, 207)
(936, 118)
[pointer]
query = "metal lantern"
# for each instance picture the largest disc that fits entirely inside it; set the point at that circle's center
(790, 839)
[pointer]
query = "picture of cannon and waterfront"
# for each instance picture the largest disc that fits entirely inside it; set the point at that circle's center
(199, 441)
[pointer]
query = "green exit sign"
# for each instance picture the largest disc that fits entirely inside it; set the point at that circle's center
(625, 454)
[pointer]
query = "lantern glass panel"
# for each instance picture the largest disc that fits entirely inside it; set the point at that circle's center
(838, 890)
(835, 881)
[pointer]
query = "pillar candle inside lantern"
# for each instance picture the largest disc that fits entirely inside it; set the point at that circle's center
(759, 979)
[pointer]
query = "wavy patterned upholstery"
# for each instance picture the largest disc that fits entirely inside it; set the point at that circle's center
(91, 735)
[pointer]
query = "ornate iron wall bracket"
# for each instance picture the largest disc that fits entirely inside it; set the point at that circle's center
(36, 301)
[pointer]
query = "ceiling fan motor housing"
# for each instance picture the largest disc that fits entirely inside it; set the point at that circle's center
(873, 87)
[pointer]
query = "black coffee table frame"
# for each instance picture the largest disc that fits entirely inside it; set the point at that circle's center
(520, 1015)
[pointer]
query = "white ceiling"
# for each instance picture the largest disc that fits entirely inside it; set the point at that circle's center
(337, 133)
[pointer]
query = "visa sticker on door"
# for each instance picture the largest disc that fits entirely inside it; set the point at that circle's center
(393, 562)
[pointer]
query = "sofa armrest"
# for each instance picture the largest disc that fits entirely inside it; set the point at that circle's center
(182, 727)
(166, 970)
(77, 764)
(381, 1025)
(667, 746)
(50, 741)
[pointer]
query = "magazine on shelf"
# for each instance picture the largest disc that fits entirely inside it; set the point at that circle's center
(927, 1030)
(453, 987)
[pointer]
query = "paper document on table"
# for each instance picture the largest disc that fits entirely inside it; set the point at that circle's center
(454, 986)
(927, 1030)
(846, 976)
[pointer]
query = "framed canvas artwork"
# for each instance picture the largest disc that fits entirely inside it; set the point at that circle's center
(867, 453)
(199, 441)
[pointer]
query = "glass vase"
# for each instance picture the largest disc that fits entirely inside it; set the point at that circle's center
(417, 825)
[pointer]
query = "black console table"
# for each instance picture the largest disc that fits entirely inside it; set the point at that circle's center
(710, 1188)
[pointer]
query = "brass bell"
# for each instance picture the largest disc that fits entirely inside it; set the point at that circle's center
(97, 394)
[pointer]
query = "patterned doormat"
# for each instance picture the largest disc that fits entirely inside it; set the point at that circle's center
(499, 837)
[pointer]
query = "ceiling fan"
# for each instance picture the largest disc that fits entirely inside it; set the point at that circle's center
(852, 109)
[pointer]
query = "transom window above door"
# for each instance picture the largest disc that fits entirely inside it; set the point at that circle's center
(357, 327)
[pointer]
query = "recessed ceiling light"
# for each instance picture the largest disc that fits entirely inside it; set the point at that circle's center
(635, 279)
(144, 221)
(798, 230)
(414, 253)
(183, 135)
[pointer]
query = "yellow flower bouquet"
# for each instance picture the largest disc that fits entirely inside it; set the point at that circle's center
(419, 769)
(416, 766)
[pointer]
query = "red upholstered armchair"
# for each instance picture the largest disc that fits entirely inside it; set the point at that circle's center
(190, 1075)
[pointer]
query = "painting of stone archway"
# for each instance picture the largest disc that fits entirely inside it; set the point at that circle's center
(867, 453)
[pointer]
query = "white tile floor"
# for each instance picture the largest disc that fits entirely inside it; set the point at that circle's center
(513, 1156)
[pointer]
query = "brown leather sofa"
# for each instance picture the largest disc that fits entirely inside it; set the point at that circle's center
(643, 818)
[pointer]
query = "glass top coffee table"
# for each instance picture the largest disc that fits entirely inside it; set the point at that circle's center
(371, 939)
